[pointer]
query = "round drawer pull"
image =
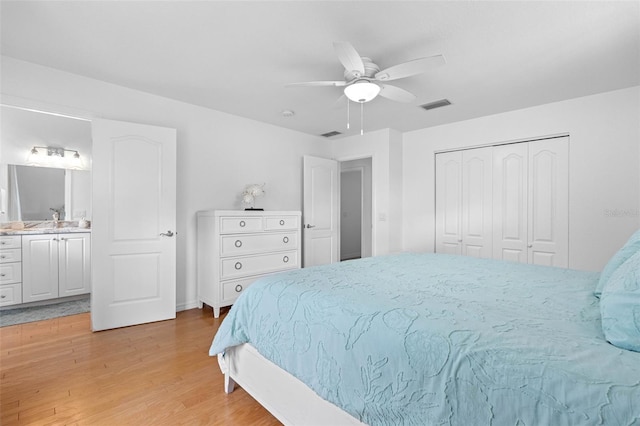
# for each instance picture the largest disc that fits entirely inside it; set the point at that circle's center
(3, 296)
(242, 224)
(3, 275)
(3, 257)
(285, 240)
(238, 243)
(285, 259)
(238, 265)
(281, 222)
(238, 288)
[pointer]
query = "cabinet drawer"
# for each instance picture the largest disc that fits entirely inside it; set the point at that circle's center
(233, 245)
(10, 273)
(10, 255)
(281, 223)
(10, 294)
(232, 289)
(233, 225)
(10, 242)
(254, 265)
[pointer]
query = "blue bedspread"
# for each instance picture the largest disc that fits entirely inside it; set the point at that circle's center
(428, 339)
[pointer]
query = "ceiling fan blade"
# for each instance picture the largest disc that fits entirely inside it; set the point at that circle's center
(395, 93)
(317, 84)
(349, 57)
(407, 69)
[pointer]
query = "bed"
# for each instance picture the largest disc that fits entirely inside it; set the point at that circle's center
(429, 339)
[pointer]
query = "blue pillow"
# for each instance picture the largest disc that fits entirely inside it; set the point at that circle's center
(620, 305)
(628, 250)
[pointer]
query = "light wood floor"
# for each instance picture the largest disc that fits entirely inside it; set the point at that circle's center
(59, 372)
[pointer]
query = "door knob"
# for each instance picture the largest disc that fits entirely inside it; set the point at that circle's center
(309, 226)
(167, 234)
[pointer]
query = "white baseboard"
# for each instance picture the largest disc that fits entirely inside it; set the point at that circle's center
(186, 306)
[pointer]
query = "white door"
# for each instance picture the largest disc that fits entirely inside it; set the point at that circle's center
(531, 202)
(510, 199)
(549, 202)
(320, 211)
(449, 202)
(133, 271)
(476, 220)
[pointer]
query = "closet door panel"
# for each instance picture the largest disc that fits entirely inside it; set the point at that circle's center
(510, 202)
(476, 202)
(548, 202)
(448, 203)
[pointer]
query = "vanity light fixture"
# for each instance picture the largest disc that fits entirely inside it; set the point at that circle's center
(55, 152)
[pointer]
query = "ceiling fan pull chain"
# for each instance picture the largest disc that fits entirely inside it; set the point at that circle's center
(361, 118)
(348, 119)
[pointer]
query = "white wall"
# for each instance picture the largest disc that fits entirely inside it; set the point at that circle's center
(604, 168)
(218, 153)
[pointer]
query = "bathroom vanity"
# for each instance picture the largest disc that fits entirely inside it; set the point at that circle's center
(41, 264)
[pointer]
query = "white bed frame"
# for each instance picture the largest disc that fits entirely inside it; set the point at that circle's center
(283, 395)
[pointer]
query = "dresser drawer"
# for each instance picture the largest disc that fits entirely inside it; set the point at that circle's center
(254, 265)
(232, 289)
(10, 255)
(10, 273)
(10, 242)
(234, 225)
(233, 245)
(281, 223)
(10, 294)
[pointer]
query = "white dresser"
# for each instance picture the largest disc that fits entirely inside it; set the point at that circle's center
(237, 247)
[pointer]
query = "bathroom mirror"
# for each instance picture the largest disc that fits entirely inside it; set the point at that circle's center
(35, 193)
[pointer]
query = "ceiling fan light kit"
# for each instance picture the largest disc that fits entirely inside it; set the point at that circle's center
(362, 91)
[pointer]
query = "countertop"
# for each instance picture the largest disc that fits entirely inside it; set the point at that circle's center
(34, 228)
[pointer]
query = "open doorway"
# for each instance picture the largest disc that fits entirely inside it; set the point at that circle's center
(355, 209)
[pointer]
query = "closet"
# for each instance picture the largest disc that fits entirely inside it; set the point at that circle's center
(507, 202)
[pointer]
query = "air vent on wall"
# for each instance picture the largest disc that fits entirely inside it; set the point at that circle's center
(329, 134)
(436, 104)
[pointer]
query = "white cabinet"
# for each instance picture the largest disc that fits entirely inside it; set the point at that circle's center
(55, 265)
(506, 202)
(237, 247)
(10, 270)
(463, 202)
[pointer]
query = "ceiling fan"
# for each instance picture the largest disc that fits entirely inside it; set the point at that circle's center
(363, 79)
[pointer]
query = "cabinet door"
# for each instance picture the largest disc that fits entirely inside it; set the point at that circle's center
(74, 264)
(448, 202)
(39, 267)
(510, 202)
(548, 225)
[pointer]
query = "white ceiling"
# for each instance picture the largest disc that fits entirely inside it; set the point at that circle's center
(237, 56)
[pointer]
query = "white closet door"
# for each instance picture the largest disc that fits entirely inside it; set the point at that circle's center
(476, 214)
(449, 202)
(510, 202)
(549, 202)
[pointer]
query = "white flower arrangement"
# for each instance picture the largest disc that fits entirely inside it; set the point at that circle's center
(251, 192)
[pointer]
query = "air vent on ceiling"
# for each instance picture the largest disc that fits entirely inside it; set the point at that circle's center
(329, 134)
(436, 104)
